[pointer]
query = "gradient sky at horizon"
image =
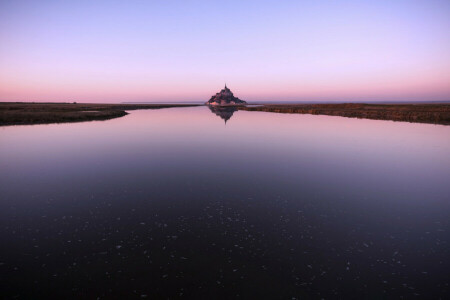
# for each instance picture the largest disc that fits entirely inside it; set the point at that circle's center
(108, 51)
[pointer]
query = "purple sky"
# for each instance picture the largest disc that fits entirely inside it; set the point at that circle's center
(107, 51)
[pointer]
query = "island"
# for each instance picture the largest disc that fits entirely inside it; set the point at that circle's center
(225, 98)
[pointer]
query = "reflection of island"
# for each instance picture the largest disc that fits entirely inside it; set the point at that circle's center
(225, 112)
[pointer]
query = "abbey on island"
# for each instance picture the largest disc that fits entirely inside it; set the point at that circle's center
(225, 97)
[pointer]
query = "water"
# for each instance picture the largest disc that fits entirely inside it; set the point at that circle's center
(177, 203)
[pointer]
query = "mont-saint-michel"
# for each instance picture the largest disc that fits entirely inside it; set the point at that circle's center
(225, 97)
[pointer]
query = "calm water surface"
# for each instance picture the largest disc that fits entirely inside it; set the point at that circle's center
(175, 203)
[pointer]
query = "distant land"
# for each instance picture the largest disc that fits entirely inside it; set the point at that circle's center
(27, 113)
(415, 113)
(296, 102)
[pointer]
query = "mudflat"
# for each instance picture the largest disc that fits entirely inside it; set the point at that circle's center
(417, 113)
(22, 113)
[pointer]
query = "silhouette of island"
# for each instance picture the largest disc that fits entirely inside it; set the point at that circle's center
(224, 112)
(225, 97)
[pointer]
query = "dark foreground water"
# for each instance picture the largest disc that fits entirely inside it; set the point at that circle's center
(174, 203)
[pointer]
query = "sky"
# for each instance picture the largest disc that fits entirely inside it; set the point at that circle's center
(116, 51)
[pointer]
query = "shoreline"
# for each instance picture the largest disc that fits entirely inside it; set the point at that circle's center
(24, 113)
(413, 113)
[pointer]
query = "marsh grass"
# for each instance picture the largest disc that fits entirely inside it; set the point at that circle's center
(417, 113)
(45, 113)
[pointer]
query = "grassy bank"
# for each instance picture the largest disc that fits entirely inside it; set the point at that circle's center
(44, 113)
(419, 113)
(22, 113)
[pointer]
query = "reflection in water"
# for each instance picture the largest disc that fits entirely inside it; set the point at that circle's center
(171, 203)
(225, 112)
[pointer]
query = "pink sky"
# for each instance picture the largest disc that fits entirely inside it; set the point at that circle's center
(299, 51)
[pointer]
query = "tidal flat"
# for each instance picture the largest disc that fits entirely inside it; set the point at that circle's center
(21, 113)
(414, 113)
